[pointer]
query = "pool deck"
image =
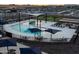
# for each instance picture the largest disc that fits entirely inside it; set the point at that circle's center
(64, 33)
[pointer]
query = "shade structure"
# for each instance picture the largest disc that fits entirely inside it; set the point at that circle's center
(30, 51)
(35, 14)
(34, 30)
(7, 42)
(53, 31)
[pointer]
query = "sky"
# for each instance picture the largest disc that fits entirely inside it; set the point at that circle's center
(39, 2)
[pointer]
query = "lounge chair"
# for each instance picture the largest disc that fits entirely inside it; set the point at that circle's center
(12, 51)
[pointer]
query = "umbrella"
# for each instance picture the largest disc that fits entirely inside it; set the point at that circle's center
(34, 30)
(52, 31)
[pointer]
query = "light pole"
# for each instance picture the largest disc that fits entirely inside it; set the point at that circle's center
(46, 17)
(37, 20)
(19, 22)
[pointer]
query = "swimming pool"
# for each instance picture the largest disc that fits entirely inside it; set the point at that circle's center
(24, 29)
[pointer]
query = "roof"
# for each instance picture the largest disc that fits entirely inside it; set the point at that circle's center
(35, 14)
(70, 20)
(35, 50)
(8, 42)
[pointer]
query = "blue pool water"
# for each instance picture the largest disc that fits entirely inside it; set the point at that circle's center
(25, 29)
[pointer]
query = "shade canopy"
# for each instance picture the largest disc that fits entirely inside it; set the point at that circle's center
(34, 30)
(35, 14)
(53, 31)
(7, 42)
(30, 51)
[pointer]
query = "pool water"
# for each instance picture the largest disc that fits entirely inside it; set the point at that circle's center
(25, 29)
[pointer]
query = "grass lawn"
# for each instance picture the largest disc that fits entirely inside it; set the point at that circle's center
(49, 18)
